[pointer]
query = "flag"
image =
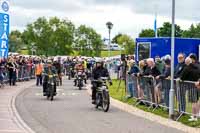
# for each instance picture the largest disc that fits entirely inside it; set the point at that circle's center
(155, 26)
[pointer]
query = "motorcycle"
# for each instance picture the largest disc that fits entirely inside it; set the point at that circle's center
(80, 80)
(50, 92)
(88, 73)
(69, 73)
(102, 94)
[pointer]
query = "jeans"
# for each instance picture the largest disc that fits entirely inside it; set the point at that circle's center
(166, 97)
(39, 80)
(181, 93)
(130, 88)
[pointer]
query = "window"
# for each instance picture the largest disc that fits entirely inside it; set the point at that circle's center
(144, 50)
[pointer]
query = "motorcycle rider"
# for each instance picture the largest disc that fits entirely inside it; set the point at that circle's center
(49, 69)
(57, 64)
(79, 68)
(98, 72)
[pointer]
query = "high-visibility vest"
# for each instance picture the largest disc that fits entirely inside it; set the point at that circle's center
(38, 70)
(85, 64)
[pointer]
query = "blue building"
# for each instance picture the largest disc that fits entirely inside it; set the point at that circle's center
(151, 47)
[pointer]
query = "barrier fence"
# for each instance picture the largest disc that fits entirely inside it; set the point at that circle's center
(155, 93)
(22, 73)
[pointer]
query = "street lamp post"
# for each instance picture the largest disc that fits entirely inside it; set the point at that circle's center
(109, 26)
(171, 99)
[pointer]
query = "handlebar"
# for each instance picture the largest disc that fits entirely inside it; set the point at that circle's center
(100, 79)
(54, 75)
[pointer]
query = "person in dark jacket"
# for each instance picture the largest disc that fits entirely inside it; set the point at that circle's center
(98, 72)
(48, 69)
(195, 61)
(12, 68)
(180, 66)
(165, 83)
(159, 64)
(180, 92)
(151, 70)
(191, 73)
(57, 64)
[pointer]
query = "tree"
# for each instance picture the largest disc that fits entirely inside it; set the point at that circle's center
(165, 30)
(127, 42)
(114, 40)
(88, 42)
(15, 41)
(192, 32)
(147, 33)
(51, 37)
(62, 37)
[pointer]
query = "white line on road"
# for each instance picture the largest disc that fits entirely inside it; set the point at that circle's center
(11, 131)
(6, 120)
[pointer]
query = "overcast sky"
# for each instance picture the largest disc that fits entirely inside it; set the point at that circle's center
(128, 16)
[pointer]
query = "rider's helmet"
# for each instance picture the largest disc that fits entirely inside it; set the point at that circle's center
(99, 62)
(49, 62)
(80, 61)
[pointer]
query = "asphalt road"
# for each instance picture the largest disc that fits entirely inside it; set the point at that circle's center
(72, 112)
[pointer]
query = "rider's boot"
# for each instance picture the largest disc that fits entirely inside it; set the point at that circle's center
(60, 82)
(93, 101)
(75, 82)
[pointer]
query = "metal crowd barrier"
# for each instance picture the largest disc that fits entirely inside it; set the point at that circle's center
(155, 93)
(23, 73)
(5, 76)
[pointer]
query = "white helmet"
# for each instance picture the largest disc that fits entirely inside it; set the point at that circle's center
(80, 60)
(99, 60)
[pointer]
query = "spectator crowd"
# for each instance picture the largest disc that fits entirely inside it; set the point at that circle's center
(149, 80)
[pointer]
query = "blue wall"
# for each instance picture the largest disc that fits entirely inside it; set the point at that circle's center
(162, 46)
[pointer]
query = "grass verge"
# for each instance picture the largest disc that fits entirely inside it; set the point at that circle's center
(112, 53)
(103, 53)
(118, 92)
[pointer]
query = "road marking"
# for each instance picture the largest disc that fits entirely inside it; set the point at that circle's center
(60, 89)
(60, 93)
(73, 94)
(11, 131)
(6, 120)
(38, 94)
(69, 94)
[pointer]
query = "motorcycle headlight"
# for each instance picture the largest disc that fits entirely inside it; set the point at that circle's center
(52, 83)
(104, 87)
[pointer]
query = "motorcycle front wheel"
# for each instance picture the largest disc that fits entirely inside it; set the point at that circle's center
(106, 101)
(98, 100)
(80, 84)
(51, 93)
